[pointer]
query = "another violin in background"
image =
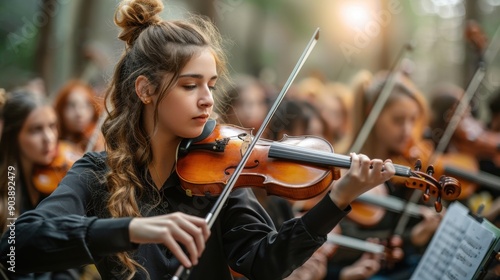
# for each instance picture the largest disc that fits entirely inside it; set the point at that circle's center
(46, 178)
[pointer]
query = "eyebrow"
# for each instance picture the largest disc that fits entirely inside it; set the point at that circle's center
(196, 76)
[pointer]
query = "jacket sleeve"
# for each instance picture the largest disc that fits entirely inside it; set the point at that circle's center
(256, 250)
(58, 234)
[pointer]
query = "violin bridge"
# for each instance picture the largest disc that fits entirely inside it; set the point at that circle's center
(246, 142)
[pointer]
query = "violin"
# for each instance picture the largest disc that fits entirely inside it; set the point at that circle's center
(473, 138)
(46, 178)
(294, 168)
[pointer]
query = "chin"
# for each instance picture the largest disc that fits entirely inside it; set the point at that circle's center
(399, 150)
(193, 133)
(44, 160)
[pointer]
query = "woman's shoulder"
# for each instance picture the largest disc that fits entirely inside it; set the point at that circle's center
(97, 159)
(89, 169)
(86, 179)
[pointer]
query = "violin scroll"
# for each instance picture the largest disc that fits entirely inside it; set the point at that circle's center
(447, 188)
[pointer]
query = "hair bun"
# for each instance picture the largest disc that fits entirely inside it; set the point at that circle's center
(135, 15)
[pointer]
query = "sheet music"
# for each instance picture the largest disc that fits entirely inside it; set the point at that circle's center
(457, 249)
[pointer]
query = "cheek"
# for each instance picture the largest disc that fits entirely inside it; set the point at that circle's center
(30, 145)
(89, 114)
(394, 137)
(380, 133)
(170, 117)
(386, 131)
(69, 115)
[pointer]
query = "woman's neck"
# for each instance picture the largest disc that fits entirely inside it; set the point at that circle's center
(164, 157)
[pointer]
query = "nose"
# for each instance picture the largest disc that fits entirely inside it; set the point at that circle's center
(81, 110)
(50, 135)
(408, 128)
(206, 99)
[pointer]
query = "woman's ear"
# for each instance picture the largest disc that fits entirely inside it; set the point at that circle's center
(142, 89)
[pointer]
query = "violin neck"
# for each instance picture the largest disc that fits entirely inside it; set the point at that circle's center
(312, 156)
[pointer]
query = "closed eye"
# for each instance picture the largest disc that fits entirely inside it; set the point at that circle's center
(189, 87)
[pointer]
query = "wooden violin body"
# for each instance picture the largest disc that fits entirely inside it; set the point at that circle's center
(222, 150)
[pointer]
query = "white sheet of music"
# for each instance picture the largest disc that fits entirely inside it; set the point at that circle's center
(457, 249)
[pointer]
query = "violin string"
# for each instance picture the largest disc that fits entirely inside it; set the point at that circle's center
(304, 154)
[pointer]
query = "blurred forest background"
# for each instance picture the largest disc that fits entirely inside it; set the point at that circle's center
(56, 40)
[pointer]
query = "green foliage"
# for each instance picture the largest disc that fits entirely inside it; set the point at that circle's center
(18, 42)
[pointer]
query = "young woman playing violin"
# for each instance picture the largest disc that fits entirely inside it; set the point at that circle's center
(28, 144)
(78, 112)
(396, 129)
(123, 209)
(28, 140)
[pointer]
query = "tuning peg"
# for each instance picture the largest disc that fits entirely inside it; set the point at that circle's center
(430, 170)
(418, 165)
(438, 205)
(426, 194)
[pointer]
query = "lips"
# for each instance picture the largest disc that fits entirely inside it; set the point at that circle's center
(202, 116)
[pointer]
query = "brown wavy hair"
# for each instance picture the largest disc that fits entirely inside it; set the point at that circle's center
(154, 47)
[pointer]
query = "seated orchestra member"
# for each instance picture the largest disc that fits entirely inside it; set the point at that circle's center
(78, 111)
(396, 134)
(28, 148)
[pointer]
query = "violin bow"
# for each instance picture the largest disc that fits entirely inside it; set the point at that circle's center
(459, 111)
(182, 272)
